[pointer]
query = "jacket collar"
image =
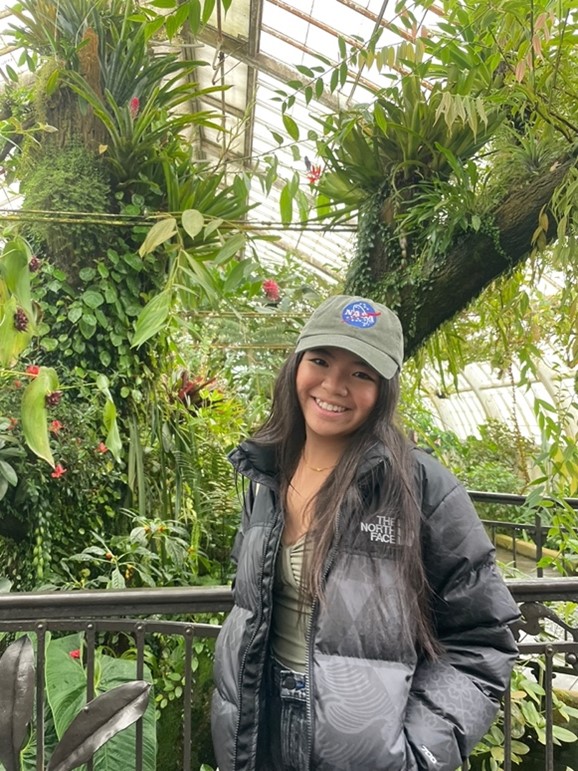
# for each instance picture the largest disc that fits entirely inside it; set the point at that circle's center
(258, 462)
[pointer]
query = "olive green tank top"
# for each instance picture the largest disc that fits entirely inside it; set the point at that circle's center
(290, 614)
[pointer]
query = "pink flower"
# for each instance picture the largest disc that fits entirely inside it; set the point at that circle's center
(74, 654)
(59, 470)
(271, 289)
(314, 173)
(32, 370)
(134, 107)
(55, 426)
(102, 448)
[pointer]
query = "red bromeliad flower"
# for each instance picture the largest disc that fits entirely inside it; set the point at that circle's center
(55, 426)
(74, 654)
(59, 470)
(314, 173)
(102, 448)
(134, 107)
(271, 289)
(32, 370)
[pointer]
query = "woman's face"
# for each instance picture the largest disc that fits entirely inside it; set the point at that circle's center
(336, 391)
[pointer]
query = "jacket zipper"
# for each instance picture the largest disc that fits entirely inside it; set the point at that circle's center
(312, 619)
(251, 641)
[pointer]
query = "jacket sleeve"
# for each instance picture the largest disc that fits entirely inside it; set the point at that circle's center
(454, 699)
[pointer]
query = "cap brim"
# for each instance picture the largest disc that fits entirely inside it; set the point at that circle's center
(380, 361)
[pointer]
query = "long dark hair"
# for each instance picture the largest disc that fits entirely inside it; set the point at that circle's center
(284, 430)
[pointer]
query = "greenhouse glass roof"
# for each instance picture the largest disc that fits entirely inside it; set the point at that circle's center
(255, 50)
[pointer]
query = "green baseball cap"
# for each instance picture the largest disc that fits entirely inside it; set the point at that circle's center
(361, 326)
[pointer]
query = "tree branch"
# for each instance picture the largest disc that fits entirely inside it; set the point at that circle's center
(474, 262)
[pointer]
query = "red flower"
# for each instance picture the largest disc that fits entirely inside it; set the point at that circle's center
(102, 448)
(55, 426)
(13, 424)
(32, 370)
(314, 173)
(59, 470)
(271, 289)
(74, 654)
(134, 107)
(17, 384)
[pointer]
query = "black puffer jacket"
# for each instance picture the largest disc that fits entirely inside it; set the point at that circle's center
(373, 706)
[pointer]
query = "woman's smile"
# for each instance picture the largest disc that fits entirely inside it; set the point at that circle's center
(336, 390)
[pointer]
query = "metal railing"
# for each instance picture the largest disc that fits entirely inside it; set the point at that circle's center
(536, 531)
(139, 613)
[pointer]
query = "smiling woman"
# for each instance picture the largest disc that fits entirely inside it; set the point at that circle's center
(370, 626)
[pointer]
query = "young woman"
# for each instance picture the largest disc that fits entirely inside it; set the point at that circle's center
(370, 626)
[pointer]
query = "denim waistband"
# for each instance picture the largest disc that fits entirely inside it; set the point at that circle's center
(287, 683)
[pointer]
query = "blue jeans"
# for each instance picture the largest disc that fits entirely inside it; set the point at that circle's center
(289, 737)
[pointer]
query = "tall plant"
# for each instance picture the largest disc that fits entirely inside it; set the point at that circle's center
(103, 168)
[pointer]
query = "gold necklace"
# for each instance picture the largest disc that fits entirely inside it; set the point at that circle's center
(318, 468)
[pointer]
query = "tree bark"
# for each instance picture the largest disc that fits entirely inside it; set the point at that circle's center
(475, 261)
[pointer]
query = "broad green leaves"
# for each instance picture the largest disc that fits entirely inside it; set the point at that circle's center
(203, 265)
(113, 440)
(153, 316)
(161, 231)
(17, 317)
(35, 415)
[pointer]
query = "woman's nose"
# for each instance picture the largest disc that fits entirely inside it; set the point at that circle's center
(335, 383)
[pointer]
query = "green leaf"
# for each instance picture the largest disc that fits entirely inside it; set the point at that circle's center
(152, 317)
(34, 414)
(14, 267)
(563, 734)
(286, 205)
(305, 71)
(208, 9)
(193, 222)
(92, 298)
(291, 127)
(160, 232)
(65, 681)
(87, 325)
(194, 15)
(8, 473)
(230, 248)
(74, 313)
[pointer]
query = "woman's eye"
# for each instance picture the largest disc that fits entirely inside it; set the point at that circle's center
(316, 360)
(363, 375)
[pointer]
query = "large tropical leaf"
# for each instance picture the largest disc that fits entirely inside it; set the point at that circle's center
(99, 721)
(66, 694)
(16, 700)
(34, 413)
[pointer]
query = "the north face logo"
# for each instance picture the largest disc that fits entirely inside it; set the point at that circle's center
(383, 530)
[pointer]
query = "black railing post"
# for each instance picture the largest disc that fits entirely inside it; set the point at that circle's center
(538, 539)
